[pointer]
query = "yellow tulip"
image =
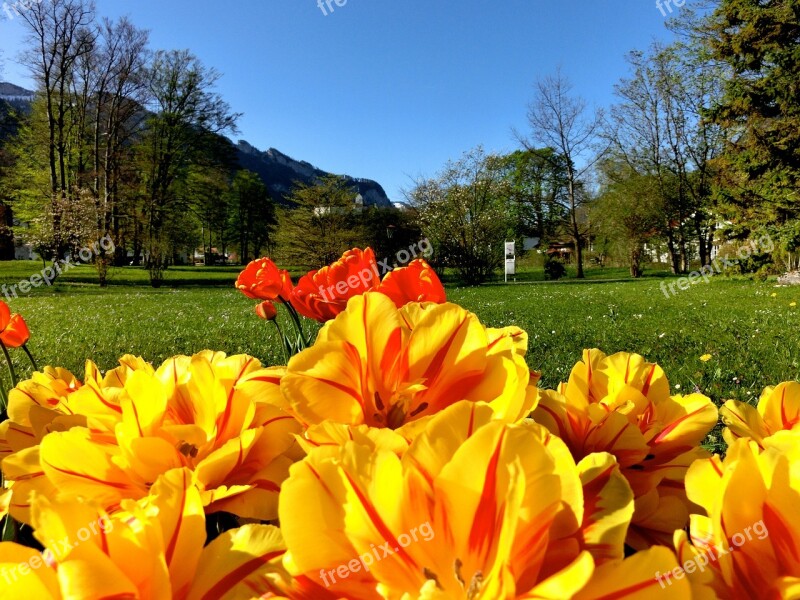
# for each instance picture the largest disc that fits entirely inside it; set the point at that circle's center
(151, 549)
(778, 410)
(209, 413)
(55, 400)
(749, 543)
(385, 367)
(476, 508)
(5, 500)
(621, 404)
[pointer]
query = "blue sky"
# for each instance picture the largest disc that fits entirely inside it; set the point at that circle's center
(388, 89)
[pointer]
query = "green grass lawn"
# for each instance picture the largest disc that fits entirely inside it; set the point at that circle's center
(753, 338)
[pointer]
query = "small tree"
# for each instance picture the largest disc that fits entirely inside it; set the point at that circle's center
(252, 215)
(321, 224)
(563, 122)
(628, 211)
(464, 214)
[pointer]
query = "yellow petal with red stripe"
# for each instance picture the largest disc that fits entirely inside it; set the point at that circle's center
(180, 512)
(241, 564)
(23, 582)
(608, 507)
(637, 578)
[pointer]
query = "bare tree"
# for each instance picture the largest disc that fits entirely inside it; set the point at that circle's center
(186, 118)
(562, 121)
(60, 32)
(659, 129)
(121, 93)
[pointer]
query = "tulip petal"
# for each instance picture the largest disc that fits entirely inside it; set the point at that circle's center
(240, 564)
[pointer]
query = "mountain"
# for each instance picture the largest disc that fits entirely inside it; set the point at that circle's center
(19, 98)
(13, 99)
(281, 173)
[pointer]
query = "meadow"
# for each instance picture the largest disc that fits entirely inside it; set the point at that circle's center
(750, 330)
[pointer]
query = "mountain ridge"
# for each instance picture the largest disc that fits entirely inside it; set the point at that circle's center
(279, 172)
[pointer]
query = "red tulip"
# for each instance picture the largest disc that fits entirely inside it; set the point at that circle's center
(415, 283)
(14, 331)
(323, 294)
(263, 280)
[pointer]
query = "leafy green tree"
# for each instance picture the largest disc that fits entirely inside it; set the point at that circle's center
(463, 213)
(389, 230)
(628, 210)
(186, 116)
(759, 42)
(205, 192)
(321, 222)
(252, 215)
(537, 180)
(59, 34)
(28, 186)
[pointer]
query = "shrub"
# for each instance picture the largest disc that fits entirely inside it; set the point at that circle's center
(554, 269)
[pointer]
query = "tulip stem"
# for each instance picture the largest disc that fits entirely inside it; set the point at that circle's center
(284, 341)
(30, 356)
(9, 529)
(297, 324)
(10, 365)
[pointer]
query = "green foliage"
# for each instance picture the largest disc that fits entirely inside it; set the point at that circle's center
(537, 182)
(629, 212)
(323, 222)
(554, 269)
(759, 42)
(389, 230)
(253, 218)
(463, 213)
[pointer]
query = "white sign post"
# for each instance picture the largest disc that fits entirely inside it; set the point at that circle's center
(511, 259)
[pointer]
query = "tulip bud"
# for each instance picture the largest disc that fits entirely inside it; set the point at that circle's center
(267, 311)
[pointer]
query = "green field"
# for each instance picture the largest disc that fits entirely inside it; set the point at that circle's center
(752, 336)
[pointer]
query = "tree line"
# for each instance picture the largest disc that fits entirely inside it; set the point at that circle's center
(702, 147)
(127, 142)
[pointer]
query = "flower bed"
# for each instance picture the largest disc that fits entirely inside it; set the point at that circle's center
(406, 452)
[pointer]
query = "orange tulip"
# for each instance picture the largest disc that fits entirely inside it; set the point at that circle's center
(263, 280)
(266, 310)
(13, 329)
(417, 282)
(323, 294)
